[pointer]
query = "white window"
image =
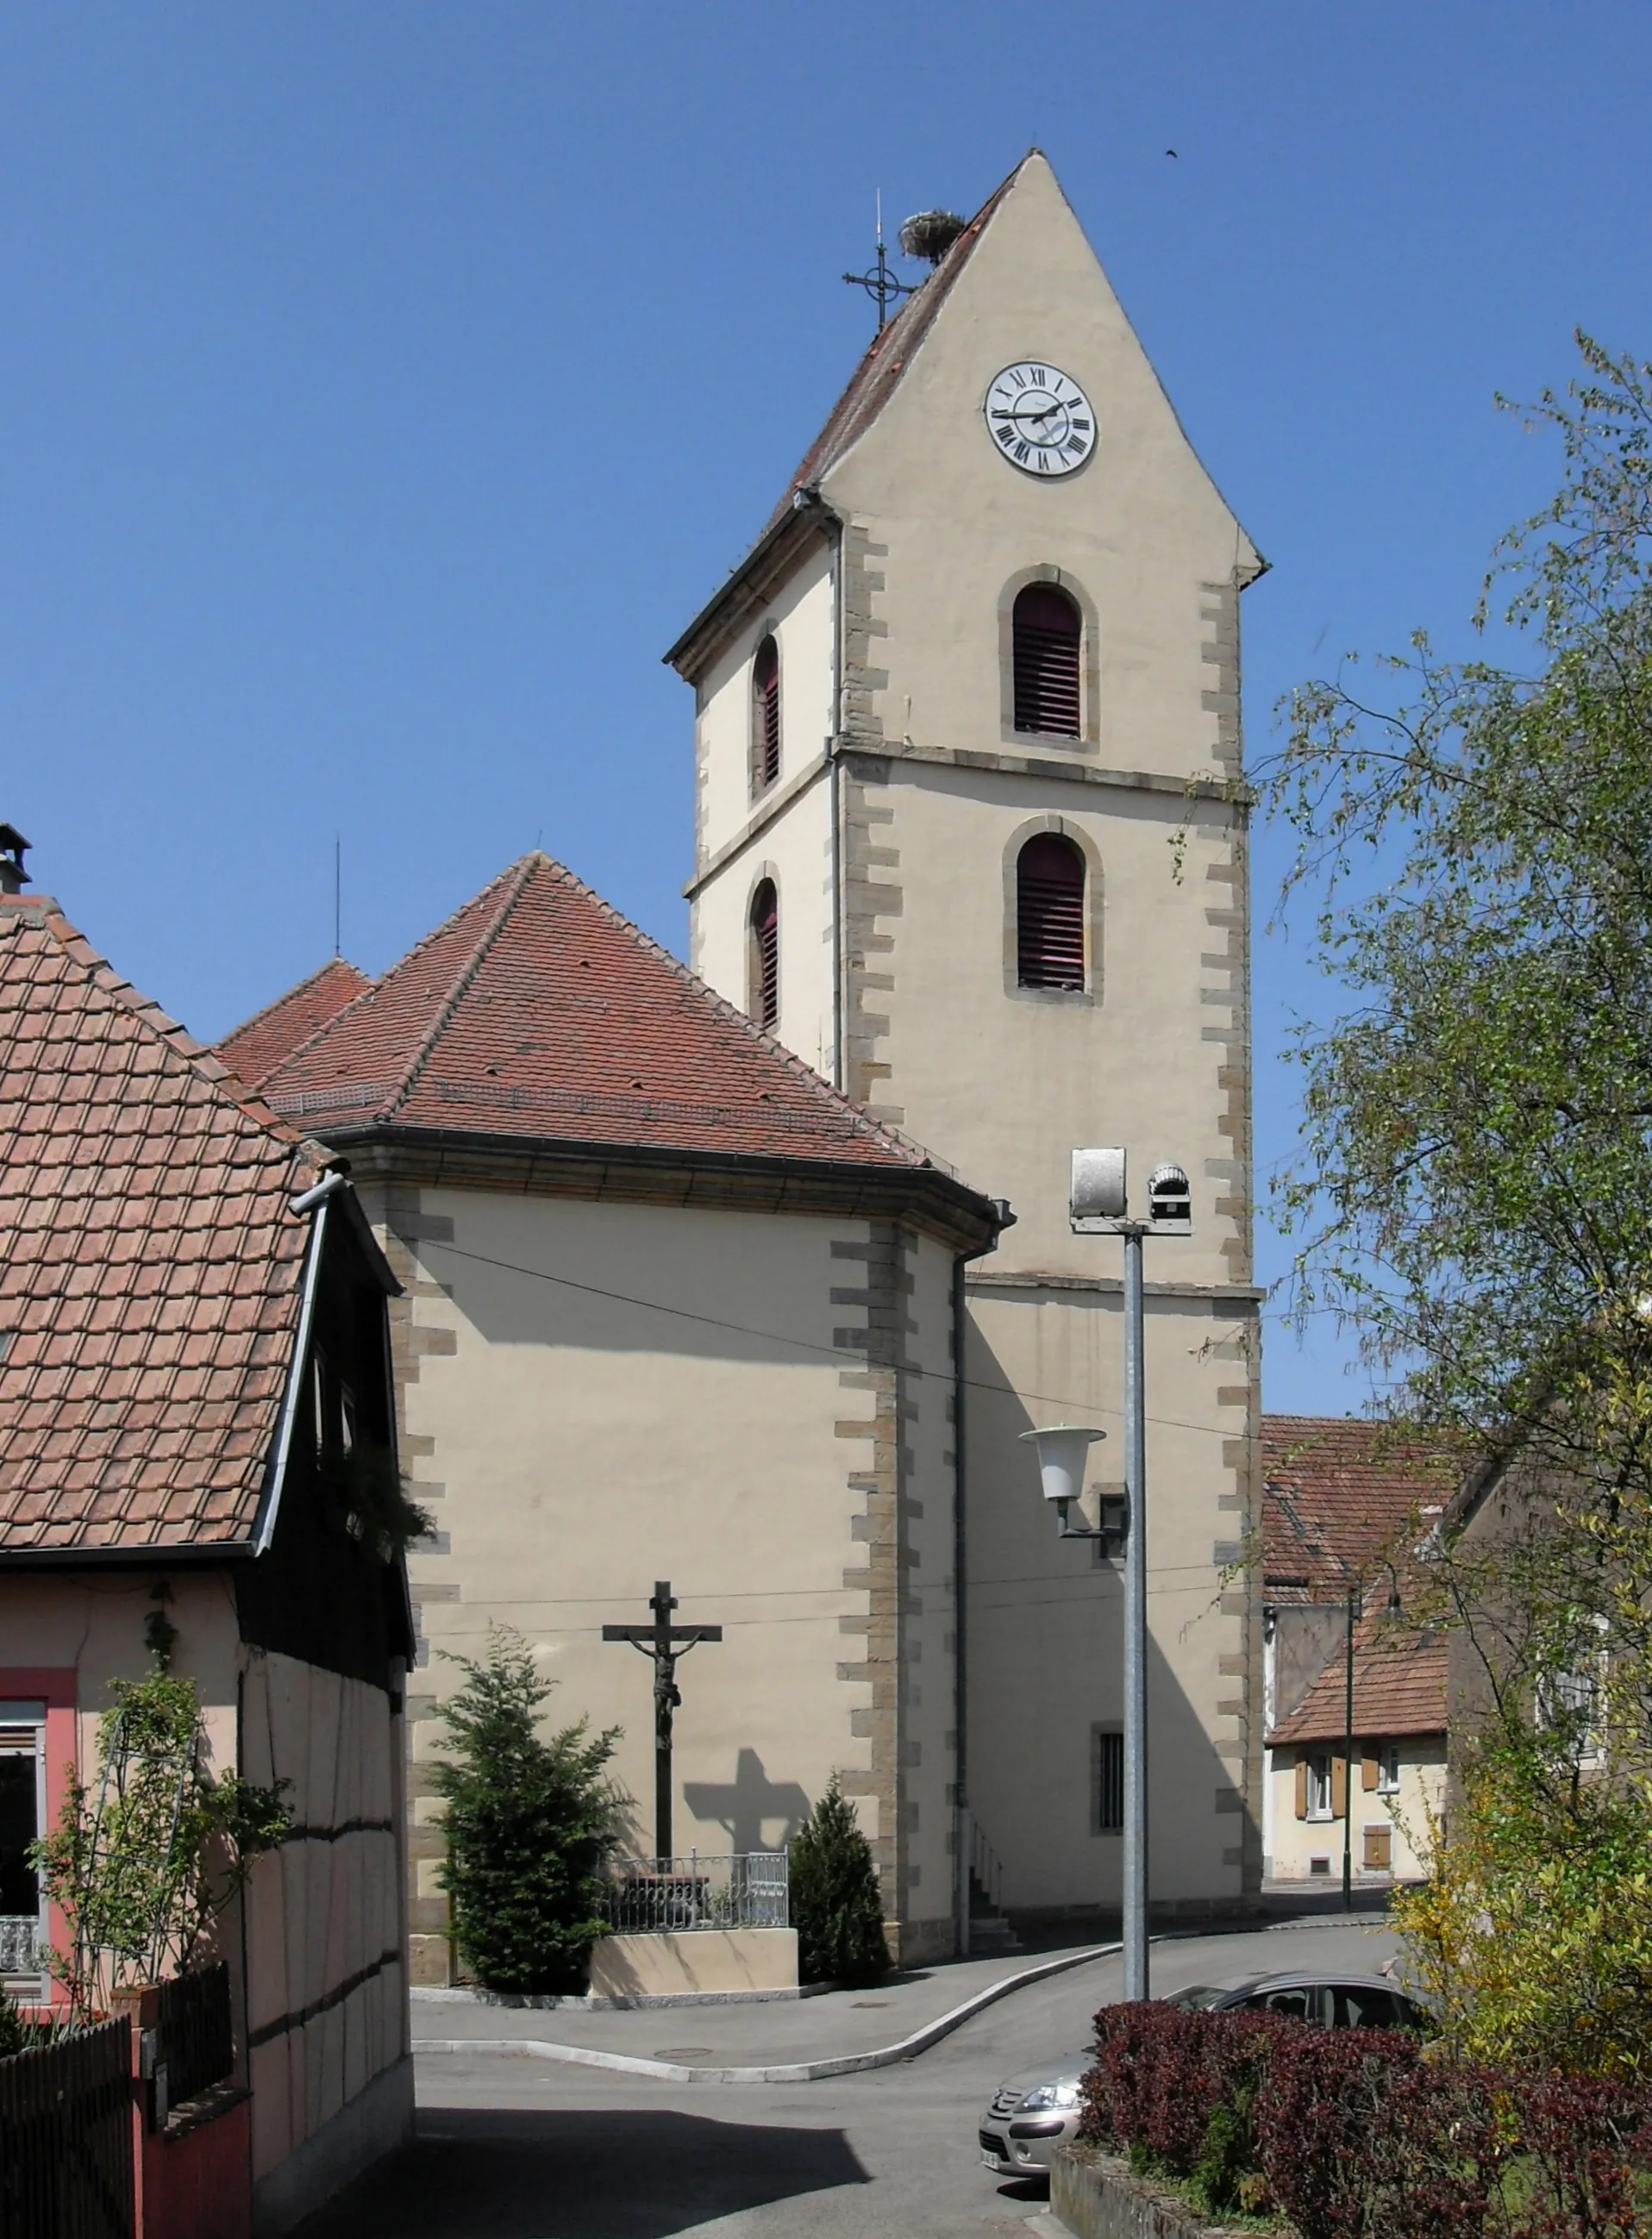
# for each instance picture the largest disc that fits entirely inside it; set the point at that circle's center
(1571, 1701)
(1387, 1768)
(1321, 1792)
(23, 1786)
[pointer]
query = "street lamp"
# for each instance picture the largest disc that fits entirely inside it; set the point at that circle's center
(1099, 1206)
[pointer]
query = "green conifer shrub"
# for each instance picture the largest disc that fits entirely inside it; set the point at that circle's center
(528, 1819)
(837, 1906)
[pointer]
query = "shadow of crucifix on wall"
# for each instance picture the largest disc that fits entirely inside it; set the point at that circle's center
(750, 1805)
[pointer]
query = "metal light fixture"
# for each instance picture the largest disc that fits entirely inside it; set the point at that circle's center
(1099, 1206)
(1063, 1450)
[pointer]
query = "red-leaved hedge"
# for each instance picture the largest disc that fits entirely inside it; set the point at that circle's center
(1354, 2134)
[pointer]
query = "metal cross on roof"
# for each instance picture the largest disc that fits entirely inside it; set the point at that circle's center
(877, 280)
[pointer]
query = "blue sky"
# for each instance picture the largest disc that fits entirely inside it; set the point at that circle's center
(383, 384)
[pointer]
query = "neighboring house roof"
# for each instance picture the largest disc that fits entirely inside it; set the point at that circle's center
(1399, 1688)
(260, 1043)
(537, 1010)
(1340, 1498)
(151, 1267)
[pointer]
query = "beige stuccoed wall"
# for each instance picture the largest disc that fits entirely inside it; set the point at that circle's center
(794, 849)
(800, 617)
(1141, 528)
(1045, 1616)
(936, 534)
(598, 1394)
(1421, 1797)
(709, 1962)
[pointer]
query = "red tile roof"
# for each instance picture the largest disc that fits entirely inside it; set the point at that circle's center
(150, 1266)
(260, 1043)
(538, 1011)
(1399, 1688)
(1341, 1496)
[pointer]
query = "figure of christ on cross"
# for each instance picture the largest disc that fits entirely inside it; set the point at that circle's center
(665, 1643)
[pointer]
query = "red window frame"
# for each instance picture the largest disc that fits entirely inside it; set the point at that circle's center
(54, 1685)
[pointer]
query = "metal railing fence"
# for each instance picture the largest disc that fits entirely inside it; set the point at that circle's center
(20, 1942)
(660, 1897)
(66, 2137)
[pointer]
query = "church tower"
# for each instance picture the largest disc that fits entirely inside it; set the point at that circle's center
(970, 839)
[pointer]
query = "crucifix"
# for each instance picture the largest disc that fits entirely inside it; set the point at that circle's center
(665, 1643)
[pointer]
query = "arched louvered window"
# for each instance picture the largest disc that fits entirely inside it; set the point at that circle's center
(1047, 637)
(1050, 913)
(766, 715)
(765, 1005)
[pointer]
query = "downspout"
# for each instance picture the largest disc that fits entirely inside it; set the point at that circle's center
(963, 1826)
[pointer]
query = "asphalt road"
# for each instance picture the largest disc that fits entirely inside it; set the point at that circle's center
(516, 2149)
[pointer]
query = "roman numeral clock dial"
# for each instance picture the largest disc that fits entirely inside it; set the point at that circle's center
(1039, 419)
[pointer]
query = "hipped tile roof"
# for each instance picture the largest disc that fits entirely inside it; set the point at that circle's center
(1341, 1499)
(261, 1042)
(538, 1011)
(150, 1269)
(1399, 1688)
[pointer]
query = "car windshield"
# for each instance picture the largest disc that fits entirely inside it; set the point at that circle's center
(1202, 1995)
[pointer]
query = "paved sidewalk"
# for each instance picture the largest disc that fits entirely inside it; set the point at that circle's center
(761, 2033)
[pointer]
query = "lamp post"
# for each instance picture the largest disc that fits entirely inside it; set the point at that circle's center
(1099, 1207)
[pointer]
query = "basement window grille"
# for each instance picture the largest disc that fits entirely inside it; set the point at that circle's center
(1110, 1781)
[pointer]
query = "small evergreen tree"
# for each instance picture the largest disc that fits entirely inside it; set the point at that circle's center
(837, 1906)
(527, 1821)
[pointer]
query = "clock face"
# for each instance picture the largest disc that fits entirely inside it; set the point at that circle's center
(1039, 419)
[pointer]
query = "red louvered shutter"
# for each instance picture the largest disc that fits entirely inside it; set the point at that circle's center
(1050, 913)
(766, 712)
(1046, 633)
(766, 955)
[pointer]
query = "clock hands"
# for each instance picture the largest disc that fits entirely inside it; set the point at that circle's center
(1041, 412)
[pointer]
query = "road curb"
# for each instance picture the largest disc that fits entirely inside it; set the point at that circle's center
(799, 2071)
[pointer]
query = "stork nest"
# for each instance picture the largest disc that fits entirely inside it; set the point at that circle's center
(931, 233)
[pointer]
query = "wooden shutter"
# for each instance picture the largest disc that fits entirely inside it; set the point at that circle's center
(766, 954)
(1302, 1788)
(1338, 1787)
(1368, 1773)
(765, 713)
(1046, 634)
(1050, 913)
(1378, 1853)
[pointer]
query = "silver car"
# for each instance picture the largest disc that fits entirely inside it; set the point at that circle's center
(1031, 2114)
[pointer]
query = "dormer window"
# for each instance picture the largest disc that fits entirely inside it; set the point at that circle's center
(764, 1002)
(1047, 638)
(766, 715)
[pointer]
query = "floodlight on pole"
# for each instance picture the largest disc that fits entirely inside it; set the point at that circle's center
(1099, 1206)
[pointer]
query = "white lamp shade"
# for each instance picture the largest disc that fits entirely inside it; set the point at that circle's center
(1062, 1453)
